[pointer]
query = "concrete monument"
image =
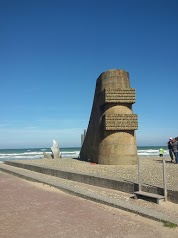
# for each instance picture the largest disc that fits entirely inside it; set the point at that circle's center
(110, 138)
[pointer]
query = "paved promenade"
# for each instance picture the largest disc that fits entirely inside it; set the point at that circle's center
(110, 185)
(33, 210)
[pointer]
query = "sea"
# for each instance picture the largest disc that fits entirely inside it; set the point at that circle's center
(70, 152)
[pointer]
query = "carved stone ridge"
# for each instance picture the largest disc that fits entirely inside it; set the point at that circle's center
(119, 122)
(118, 96)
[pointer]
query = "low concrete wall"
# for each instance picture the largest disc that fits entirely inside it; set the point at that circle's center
(124, 186)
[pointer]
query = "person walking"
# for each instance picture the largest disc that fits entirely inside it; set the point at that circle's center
(171, 153)
(175, 150)
(161, 152)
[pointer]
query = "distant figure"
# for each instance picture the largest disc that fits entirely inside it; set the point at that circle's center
(161, 152)
(171, 153)
(175, 149)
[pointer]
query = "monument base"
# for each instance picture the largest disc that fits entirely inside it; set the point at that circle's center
(118, 160)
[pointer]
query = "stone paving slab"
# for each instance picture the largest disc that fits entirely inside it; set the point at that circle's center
(166, 211)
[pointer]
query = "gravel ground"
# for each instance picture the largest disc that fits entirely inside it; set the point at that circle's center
(151, 170)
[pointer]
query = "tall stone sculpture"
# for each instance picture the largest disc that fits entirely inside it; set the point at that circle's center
(110, 138)
(55, 151)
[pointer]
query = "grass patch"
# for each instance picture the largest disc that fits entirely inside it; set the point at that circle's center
(169, 224)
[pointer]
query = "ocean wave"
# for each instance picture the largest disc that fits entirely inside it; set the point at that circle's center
(67, 154)
(151, 152)
(19, 157)
(25, 153)
(30, 154)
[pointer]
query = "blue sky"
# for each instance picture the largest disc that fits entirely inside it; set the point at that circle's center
(52, 52)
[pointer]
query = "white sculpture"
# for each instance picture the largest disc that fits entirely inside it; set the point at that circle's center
(55, 151)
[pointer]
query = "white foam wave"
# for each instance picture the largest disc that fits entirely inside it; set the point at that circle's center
(65, 153)
(25, 153)
(20, 156)
(35, 155)
(71, 154)
(151, 152)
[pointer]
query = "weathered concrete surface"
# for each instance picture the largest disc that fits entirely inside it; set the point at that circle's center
(110, 137)
(31, 210)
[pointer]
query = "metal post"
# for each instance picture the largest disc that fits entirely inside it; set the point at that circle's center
(139, 175)
(164, 180)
